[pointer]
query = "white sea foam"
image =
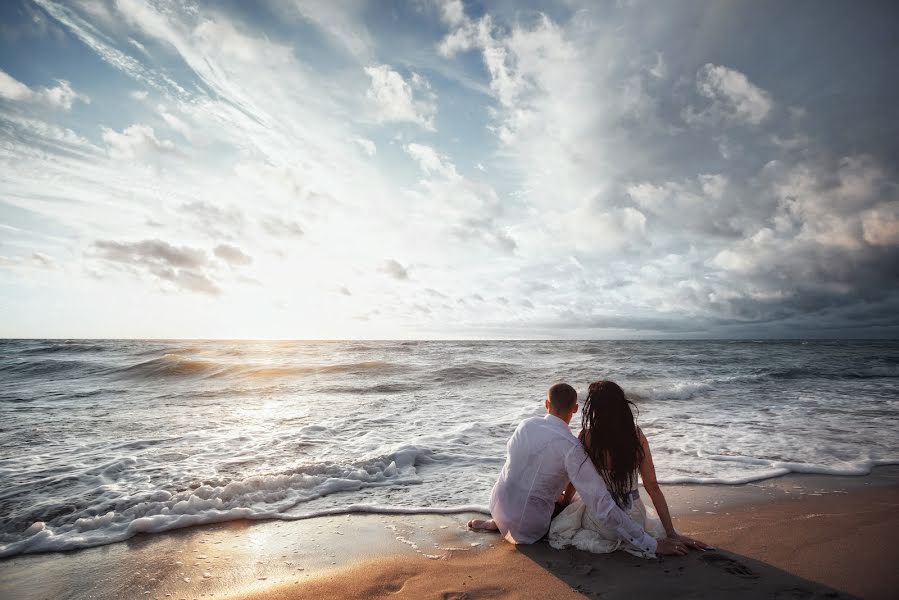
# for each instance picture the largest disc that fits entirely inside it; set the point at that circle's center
(258, 497)
(770, 469)
(671, 390)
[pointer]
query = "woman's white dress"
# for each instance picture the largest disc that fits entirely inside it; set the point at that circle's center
(574, 526)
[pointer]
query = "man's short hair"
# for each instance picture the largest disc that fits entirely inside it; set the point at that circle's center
(562, 397)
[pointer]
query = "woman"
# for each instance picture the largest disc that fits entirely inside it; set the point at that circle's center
(619, 450)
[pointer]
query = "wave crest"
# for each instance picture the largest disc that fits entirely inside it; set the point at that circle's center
(177, 365)
(474, 370)
(258, 497)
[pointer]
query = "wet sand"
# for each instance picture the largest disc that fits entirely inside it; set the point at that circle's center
(792, 537)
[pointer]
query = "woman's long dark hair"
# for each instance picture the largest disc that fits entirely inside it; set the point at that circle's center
(609, 435)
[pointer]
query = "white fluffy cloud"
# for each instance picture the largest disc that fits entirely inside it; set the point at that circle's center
(34, 260)
(135, 142)
(366, 145)
(732, 98)
(59, 97)
(396, 99)
(394, 269)
(430, 161)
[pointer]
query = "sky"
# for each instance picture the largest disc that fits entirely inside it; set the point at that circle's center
(445, 169)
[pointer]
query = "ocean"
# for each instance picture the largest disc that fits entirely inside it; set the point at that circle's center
(101, 440)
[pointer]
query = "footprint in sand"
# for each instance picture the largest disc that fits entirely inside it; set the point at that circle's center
(729, 565)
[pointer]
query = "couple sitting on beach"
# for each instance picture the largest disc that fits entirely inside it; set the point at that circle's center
(600, 508)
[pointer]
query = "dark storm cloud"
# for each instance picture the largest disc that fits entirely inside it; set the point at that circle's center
(576, 321)
(768, 177)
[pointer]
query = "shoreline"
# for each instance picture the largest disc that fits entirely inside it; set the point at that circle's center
(832, 526)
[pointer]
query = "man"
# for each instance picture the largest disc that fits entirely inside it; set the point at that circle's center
(543, 456)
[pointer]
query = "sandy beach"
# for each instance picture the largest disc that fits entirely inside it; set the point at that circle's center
(800, 536)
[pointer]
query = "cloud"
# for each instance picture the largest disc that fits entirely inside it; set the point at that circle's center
(151, 252)
(43, 260)
(522, 64)
(191, 281)
(394, 99)
(175, 123)
(660, 69)
(452, 12)
(35, 260)
(136, 142)
(707, 204)
(234, 256)
(180, 265)
(215, 220)
(605, 202)
(138, 94)
(279, 227)
(395, 269)
(430, 161)
(830, 238)
(366, 145)
(472, 209)
(59, 97)
(339, 20)
(880, 224)
(487, 231)
(733, 98)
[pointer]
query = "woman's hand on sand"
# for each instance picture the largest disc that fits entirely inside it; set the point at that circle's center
(671, 547)
(690, 542)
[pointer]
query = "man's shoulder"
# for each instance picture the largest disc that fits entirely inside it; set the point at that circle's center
(541, 423)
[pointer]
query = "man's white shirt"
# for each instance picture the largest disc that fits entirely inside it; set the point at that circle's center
(543, 456)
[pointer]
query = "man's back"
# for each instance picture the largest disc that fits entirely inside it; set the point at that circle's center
(532, 478)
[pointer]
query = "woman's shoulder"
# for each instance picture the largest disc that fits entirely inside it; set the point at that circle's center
(584, 438)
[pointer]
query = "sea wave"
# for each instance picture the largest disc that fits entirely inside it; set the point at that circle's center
(841, 372)
(676, 390)
(48, 367)
(473, 371)
(73, 347)
(770, 469)
(378, 388)
(258, 497)
(177, 365)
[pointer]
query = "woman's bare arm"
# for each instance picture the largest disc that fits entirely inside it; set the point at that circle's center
(651, 485)
(567, 494)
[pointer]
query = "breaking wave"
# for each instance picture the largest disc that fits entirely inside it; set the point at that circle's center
(49, 527)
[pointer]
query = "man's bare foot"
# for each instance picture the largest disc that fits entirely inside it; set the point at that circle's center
(482, 525)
